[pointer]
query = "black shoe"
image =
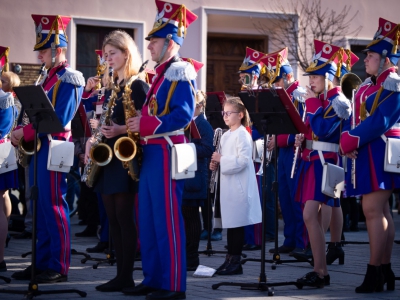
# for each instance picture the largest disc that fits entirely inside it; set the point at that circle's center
(25, 274)
(192, 263)
(115, 286)
(162, 294)
(269, 239)
(23, 235)
(248, 247)
(139, 290)
(282, 249)
(3, 266)
(99, 248)
(327, 280)
(333, 252)
(296, 250)
(82, 222)
(306, 255)
(88, 232)
(226, 262)
(373, 280)
(312, 279)
(388, 276)
(234, 267)
(50, 276)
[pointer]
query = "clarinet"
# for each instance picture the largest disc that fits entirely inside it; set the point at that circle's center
(217, 144)
(353, 125)
(296, 152)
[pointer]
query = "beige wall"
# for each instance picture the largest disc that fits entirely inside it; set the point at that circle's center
(226, 16)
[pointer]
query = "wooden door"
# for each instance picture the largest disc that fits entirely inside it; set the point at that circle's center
(225, 54)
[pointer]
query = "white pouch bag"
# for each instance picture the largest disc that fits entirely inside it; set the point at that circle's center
(258, 147)
(183, 160)
(61, 155)
(332, 180)
(8, 159)
(392, 155)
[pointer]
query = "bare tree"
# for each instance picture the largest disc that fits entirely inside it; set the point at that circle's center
(297, 25)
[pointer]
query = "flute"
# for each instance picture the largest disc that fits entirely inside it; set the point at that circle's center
(217, 143)
(353, 125)
(296, 152)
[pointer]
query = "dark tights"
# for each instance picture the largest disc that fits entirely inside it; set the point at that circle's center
(119, 208)
(235, 237)
(191, 217)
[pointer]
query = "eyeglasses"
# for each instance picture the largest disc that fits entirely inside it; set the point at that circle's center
(228, 113)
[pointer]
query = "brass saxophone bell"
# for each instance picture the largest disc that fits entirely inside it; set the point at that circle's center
(125, 149)
(348, 83)
(101, 154)
(27, 148)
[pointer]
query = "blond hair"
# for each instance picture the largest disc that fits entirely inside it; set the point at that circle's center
(13, 79)
(124, 42)
(238, 104)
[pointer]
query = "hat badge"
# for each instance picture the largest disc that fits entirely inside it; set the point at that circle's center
(38, 30)
(159, 18)
(378, 33)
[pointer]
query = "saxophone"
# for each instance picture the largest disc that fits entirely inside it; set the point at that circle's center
(100, 153)
(126, 148)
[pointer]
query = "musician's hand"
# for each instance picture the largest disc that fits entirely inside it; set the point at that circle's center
(82, 157)
(91, 83)
(213, 165)
(298, 140)
(16, 135)
(310, 93)
(271, 143)
(87, 150)
(94, 123)
(134, 124)
(113, 130)
(352, 155)
(216, 157)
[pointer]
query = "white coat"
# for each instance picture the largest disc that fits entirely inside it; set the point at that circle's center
(239, 197)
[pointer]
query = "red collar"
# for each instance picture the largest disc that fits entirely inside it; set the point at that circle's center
(292, 87)
(332, 92)
(382, 77)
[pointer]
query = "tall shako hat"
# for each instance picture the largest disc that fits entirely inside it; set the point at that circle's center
(171, 19)
(277, 64)
(326, 60)
(386, 40)
(4, 51)
(251, 63)
(50, 31)
(196, 64)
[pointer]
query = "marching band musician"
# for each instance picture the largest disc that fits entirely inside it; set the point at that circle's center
(116, 186)
(64, 87)
(249, 74)
(326, 107)
(378, 116)
(167, 111)
(280, 74)
(8, 180)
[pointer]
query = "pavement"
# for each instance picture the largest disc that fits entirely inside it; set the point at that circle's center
(344, 278)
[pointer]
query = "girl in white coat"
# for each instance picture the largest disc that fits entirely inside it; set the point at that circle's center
(239, 199)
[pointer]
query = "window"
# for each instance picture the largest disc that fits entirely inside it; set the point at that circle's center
(89, 39)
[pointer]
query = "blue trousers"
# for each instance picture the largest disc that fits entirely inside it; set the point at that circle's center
(53, 247)
(295, 231)
(253, 233)
(161, 227)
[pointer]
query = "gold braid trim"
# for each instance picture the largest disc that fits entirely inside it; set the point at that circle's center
(277, 70)
(55, 91)
(348, 61)
(5, 54)
(395, 41)
(327, 112)
(170, 93)
(181, 21)
(363, 108)
(54, 27)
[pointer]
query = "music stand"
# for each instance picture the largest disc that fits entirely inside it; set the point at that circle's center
(272, 112)
(44, 120)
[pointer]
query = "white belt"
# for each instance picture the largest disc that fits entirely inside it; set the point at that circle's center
(322, 146)
(395, 126)
(154, 136)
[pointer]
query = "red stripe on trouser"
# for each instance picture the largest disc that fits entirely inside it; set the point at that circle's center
(171, 224)
(61, 220)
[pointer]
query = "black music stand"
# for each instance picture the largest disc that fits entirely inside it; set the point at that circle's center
(272, 112)
(44, 120)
